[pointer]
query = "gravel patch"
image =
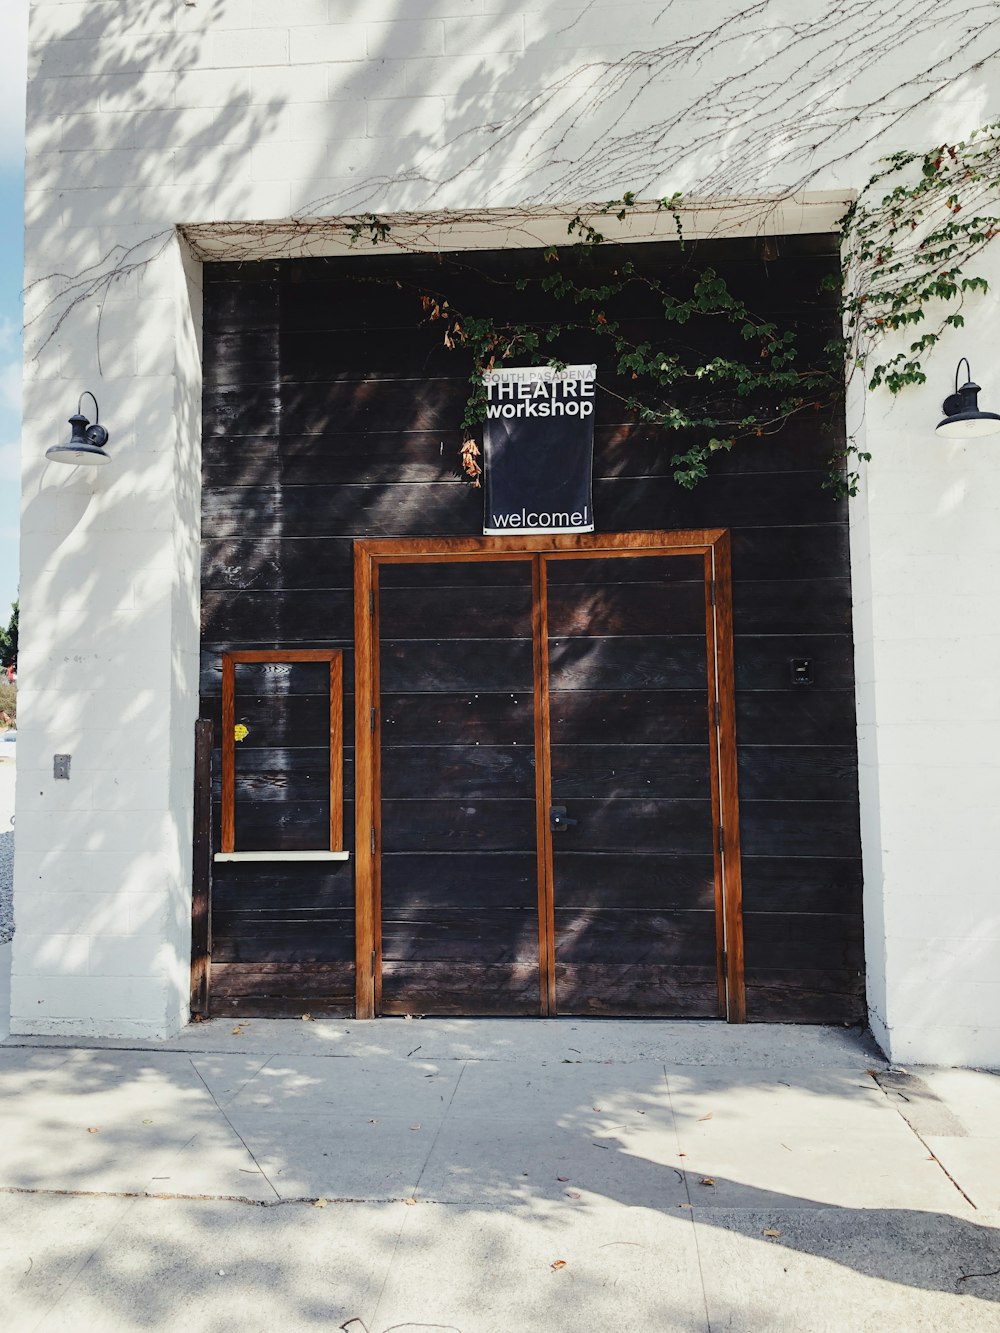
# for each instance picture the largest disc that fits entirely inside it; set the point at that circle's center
(6, 886)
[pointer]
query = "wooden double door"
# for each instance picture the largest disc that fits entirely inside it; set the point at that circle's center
(546, 777)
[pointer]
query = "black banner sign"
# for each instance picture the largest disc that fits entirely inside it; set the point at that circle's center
(538, 443)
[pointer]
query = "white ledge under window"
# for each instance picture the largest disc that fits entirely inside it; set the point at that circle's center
(282, 856)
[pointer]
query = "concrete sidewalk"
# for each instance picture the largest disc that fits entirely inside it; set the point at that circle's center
(508, 1176)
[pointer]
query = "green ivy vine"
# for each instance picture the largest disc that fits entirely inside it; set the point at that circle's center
(906, 244)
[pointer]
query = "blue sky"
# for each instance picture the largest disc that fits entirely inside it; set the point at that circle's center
(13, 21)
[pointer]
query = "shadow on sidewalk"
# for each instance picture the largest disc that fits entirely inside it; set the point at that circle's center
(76, 1167)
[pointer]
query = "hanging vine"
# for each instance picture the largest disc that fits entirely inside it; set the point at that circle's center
(742, 110)
(762, 387)
(906, 244)
(907, 253)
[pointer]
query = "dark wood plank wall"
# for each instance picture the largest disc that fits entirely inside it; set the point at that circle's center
(459, 876)
(634, 877)
(331, 412)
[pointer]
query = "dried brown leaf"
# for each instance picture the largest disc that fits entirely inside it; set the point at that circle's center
(770, 1231)
(557, 1264)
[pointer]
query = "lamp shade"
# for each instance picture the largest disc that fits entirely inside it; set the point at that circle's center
(963, 419)
(86, 442)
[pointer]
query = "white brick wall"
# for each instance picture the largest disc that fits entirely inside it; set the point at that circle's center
(926, 563)
(109, 663)
(154, 113)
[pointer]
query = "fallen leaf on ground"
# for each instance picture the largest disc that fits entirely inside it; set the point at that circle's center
(572, 1194)
(707, 1180)
(93, 1129)
(706, 1117)
(685, 1205)
(771, 1231)
(237, 1032)
(147, 1122)
(414, 1126)
(559, 1263)
(319, 1203)
(409, 1202)
(562, 1178)
(307, 1018)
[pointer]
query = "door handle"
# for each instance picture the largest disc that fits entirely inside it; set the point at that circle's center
(559, 821)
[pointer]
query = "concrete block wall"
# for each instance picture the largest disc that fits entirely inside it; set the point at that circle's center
(109, 670)
(160, 113)
(926, 574)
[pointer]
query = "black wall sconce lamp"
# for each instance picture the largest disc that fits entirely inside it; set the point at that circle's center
(86, 444)
(962, 418)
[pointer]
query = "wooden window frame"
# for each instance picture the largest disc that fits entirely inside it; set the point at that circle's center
(289, 656)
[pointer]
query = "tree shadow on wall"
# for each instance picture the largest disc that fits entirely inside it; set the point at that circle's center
(494, 143)
(119, 132)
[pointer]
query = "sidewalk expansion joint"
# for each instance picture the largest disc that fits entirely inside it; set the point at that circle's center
(222, 1111)
(312, 1201)
(921, 1104)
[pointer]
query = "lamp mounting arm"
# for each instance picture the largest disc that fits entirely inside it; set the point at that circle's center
(964, 399)
(97, 411)
(95, 434)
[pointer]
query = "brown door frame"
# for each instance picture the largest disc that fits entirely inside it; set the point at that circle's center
(711, 543)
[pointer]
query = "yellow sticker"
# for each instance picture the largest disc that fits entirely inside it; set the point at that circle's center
(241, 732)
